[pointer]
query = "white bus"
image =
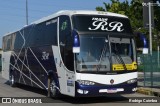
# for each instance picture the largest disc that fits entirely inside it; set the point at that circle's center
(74, 53)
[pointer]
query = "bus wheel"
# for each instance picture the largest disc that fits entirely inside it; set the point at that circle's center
(52, 90)
(12, 80)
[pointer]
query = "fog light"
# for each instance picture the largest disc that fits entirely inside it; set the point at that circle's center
(80, 91)
(134, 89)
(86, 92)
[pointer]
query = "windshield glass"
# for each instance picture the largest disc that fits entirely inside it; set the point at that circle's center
(94, 54)
(122, 51)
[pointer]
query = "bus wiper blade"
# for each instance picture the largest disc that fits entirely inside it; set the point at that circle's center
(121, 60)
(101, 56)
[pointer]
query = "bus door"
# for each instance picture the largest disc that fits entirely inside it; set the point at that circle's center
(65, 57)
(66, 78)
(60, 70)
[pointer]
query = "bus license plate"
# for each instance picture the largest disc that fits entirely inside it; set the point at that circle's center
(111, 90)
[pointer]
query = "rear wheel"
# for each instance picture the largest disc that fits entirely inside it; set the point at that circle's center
(12, 80)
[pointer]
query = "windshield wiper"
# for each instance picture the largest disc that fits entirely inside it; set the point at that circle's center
(120, 58)
(101, 57)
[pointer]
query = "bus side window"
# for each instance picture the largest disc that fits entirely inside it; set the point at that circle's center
(65, 40)
(8, 42)
(19, 41)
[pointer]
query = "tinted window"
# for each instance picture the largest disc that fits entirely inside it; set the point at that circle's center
(43, 34)
(65, 40)
(19, 41)
(8, 42)
(38, 35)
(29, 35)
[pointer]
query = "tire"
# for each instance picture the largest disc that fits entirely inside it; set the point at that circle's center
(52, 89)
(12, 80)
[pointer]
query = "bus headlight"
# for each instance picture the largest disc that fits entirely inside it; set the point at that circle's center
(85, 82)
(132, 81)
(80, 91)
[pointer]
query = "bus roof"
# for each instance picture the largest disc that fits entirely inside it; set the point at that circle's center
(70, 13)
(74, 12)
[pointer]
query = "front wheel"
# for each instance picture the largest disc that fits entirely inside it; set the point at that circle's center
(52, 89)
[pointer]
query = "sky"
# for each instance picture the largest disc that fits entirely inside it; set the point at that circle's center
(13, 12)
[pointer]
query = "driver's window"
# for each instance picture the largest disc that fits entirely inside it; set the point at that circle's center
(65, 42)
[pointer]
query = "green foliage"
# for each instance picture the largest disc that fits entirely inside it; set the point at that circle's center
(100, 9)
(134, 11)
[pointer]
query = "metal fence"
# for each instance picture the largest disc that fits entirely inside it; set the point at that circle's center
(149, 69)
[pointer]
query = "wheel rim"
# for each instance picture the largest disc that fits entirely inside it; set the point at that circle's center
(12, 79)
(53, 88)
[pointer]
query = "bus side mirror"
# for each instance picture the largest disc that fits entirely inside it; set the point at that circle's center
(76, 42)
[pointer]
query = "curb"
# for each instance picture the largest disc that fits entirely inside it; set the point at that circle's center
(148, 92)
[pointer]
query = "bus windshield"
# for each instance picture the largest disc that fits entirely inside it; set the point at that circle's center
(122, 53)
(106, 43)
(95, 54)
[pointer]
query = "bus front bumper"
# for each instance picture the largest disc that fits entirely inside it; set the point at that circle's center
(104, 90)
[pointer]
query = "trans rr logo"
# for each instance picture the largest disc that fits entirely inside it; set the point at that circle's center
(104, 25)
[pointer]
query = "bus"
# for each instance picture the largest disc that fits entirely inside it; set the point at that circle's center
(73, 52)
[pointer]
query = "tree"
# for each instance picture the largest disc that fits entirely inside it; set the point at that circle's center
(115, 7)
(134, 11)
(100, 9)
